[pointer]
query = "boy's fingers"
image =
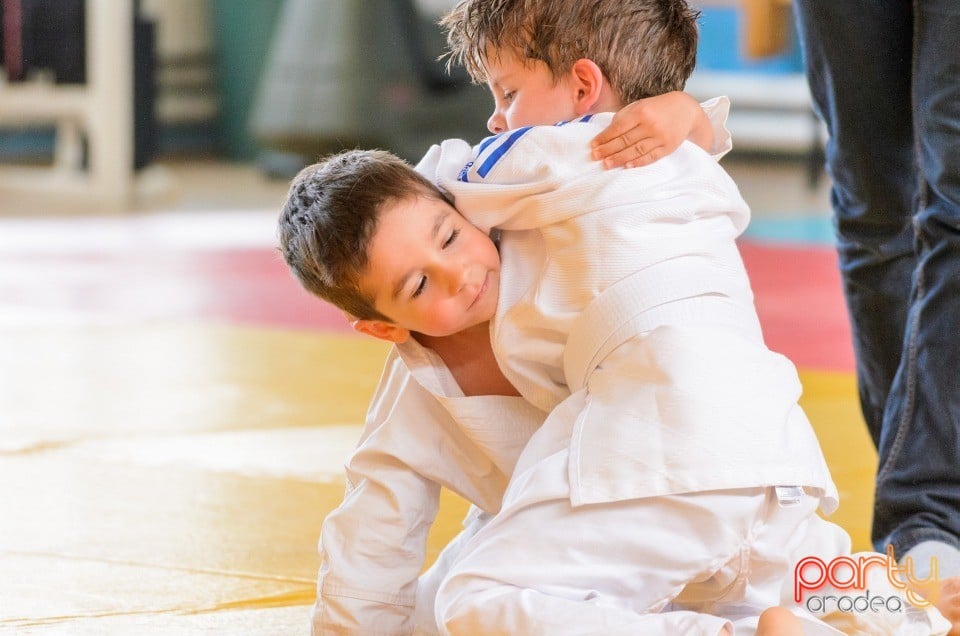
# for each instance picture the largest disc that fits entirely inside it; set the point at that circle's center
(606, 151)
(611, 132)
(616, 137)
(635, 155)
(609, 147)
(646, 158)
(618, 159)
(633, 141)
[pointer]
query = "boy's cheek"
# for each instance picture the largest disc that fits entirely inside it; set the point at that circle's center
(492, 300)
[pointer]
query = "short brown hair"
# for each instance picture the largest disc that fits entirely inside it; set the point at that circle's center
(643, 47)
(330, 217)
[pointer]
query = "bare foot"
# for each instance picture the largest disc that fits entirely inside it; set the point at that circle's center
(948, 602)
(779, 621)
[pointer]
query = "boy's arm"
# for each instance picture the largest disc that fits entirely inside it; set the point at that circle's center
(649, 129)
(372, 549)
(536, 176)
(373, 545)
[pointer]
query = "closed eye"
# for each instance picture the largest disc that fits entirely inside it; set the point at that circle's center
(453, 237)
(420, 287)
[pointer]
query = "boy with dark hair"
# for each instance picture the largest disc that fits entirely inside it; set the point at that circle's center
(441, 389)
(675, 465)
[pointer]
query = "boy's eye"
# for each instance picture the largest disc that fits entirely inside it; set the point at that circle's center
(508, 96)
(419, 289)
(453, 237)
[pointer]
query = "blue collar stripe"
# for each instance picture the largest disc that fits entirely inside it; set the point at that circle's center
(486, 143)
(500, 150)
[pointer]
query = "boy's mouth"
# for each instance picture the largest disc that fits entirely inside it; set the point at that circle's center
(483, 290)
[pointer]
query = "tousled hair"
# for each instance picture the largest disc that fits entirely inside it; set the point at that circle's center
(643, 47)
(330, 216)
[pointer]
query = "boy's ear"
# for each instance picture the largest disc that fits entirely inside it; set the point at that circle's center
(381, 330)
(587, 84)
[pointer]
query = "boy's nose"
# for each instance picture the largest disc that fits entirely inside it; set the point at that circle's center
(496, 123)
(456, 279)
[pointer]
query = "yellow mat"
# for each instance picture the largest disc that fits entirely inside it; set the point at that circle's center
(172, 478)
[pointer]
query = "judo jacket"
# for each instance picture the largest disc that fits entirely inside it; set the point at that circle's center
(628, 284)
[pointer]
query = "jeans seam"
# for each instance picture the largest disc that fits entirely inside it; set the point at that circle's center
(913, 318)
(914, 107)
(910, 372)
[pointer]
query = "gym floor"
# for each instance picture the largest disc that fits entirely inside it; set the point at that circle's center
(175, 412)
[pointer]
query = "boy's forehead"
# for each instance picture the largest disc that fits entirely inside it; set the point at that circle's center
(420, 213)
(502, 59)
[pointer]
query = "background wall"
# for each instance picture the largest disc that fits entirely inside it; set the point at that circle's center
(222, 64)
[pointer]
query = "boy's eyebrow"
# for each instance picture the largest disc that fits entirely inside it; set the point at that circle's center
(437, 223)
(497, 81)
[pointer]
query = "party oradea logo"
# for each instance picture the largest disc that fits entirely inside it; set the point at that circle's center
(841, 584)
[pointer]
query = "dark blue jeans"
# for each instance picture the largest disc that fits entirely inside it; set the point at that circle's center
(885, 78)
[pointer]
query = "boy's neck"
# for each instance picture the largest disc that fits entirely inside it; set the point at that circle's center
(608, 101)
(467, 336)
(469, 357)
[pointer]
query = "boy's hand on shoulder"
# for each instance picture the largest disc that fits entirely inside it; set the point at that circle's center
(649, 129)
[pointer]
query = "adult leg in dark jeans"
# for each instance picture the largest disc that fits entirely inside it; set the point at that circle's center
(885, 77)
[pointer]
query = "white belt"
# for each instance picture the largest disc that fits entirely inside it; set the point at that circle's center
(684, 290)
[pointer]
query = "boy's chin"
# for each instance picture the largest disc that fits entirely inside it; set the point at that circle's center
(487, 316)
(478, 323)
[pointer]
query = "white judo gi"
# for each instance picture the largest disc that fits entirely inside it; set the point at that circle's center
(676, 469)
(421, 433)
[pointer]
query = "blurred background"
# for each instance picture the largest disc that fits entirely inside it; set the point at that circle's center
(174, 410)
(99, 99)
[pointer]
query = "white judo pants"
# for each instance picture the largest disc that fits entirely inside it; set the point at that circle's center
(429, 582)
(682, 564)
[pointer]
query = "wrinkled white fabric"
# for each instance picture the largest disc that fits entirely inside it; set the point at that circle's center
(684, 395)
(675, 564)
(421, 433)
(625, 311)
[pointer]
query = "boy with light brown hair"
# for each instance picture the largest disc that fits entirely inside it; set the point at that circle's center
(427, 273)
(442, 414)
